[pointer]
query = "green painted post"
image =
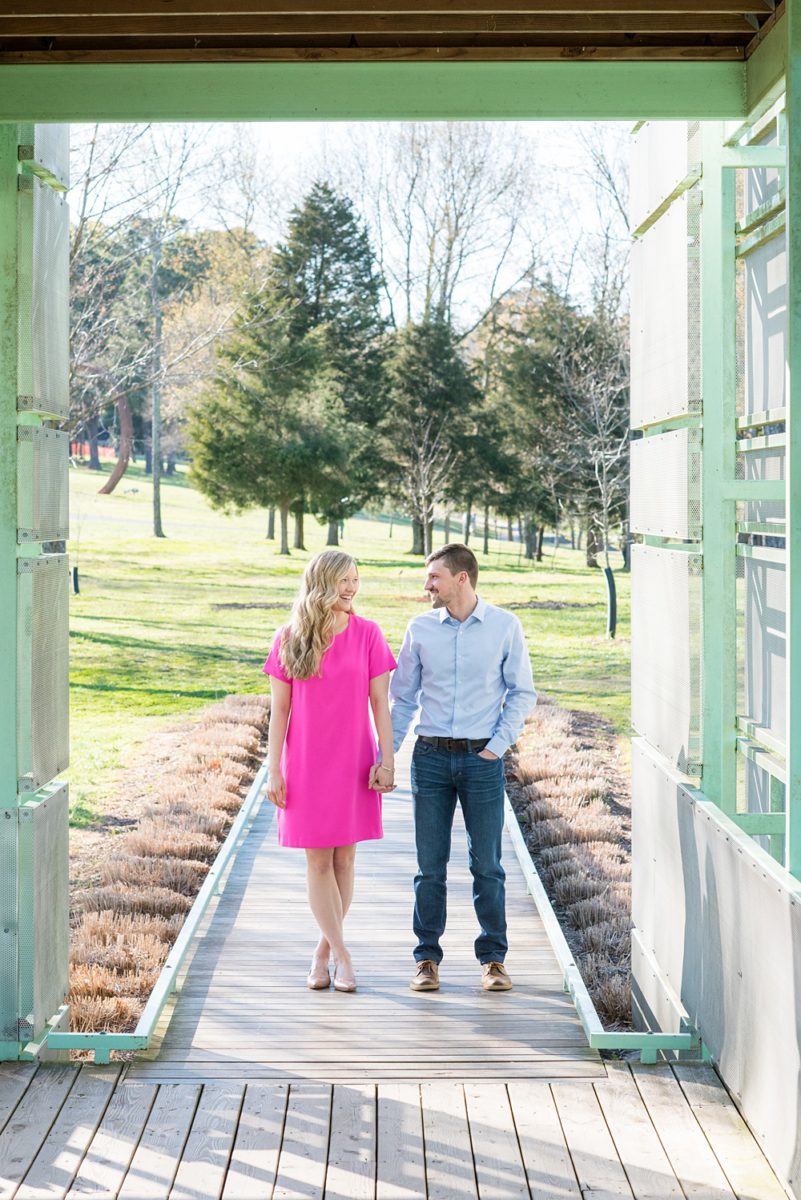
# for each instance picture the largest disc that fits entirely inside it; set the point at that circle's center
(718, 333)
(9, 1048)
(8, 464)
(793, 444)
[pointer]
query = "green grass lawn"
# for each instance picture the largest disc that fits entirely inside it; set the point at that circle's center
(163, 626)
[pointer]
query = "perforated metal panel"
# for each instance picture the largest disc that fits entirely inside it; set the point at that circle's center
(43, 277)
(658, 164)
(764, 648)
(43, 669)
(42, 485)
(9, 977)
(665, 331)
(665, 645)
(765, 332)
(44, 909)
(51, 148)
(665, 485)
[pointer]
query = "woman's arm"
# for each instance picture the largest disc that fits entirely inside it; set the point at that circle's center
(384, 776)
(279, 719)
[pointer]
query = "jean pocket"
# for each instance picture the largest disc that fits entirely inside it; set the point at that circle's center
(421, 749)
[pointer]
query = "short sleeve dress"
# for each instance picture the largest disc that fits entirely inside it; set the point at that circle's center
(330, 744)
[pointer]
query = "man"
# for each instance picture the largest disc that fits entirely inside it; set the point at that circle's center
(465, 665)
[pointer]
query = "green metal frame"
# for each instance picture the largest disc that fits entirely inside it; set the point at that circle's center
(566, 90)
(793, 435)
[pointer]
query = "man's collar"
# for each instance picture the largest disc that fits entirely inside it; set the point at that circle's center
(478, 612)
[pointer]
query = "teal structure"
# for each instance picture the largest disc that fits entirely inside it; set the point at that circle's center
(717, 851)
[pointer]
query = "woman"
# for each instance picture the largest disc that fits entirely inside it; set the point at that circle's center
(327, 666)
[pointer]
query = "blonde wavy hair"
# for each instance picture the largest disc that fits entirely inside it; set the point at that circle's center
(311, 626)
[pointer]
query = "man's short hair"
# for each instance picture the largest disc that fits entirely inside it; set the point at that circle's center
(456, 558)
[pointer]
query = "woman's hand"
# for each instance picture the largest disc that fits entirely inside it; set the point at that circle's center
(276, 789)
(382, 777)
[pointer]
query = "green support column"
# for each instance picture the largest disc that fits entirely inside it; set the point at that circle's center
(718, 334)
(8, 584)
(793, 447)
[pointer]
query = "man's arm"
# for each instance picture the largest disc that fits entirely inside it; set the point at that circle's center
(520, 695)
(404, 689)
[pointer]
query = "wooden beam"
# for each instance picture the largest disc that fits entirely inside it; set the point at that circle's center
(163, 8)
(377, 54)
(396, 24)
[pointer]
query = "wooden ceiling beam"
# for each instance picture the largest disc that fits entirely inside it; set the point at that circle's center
(77, 9)
(384, 54)
(403, 24)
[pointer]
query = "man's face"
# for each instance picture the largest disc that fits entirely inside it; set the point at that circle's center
(441, 585)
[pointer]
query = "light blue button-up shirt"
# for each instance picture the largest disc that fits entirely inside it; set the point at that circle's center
(470, 679)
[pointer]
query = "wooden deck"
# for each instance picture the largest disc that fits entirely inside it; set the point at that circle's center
(266, 1091)
(246, 1013)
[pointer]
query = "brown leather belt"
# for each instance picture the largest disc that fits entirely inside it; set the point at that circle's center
(455, 745)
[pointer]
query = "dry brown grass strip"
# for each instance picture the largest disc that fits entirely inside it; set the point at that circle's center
(579, 838)
(125, 927)
(121, 898)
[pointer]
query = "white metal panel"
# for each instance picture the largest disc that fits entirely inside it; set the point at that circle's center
(43, 668)
(51, 150)
(665, 641)
(44, 908)
(765, 645)
(42, 486)
(665, 485)
(664, 325)
(731, 921)
(658, 164)
(766, 325)
(43, 313)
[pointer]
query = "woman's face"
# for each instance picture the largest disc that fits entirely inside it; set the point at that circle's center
(347, 588)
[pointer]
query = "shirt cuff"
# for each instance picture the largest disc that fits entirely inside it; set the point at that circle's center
(497, 745)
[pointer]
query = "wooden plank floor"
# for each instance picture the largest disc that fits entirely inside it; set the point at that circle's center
(266, 1091)
(245, 1012)
(646, 1133)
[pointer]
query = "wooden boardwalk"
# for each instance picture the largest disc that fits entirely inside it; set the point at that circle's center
(245, 1011)
(266, 1091)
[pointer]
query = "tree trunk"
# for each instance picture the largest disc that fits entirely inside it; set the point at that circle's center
(428, 534)
(126, 445)
(579, 539)
(284, 529)
(520, 528)
(418, 546)
(91, 433)
(333, 533)
(540, 538)
(593, 546)
(148, 460)
(447, 529)
(486, 529)
(270, 524)
(510, 529)
(297, 513)
(170, 464)
(530, 538)
(155, 389)
(572, 536)
(468, 516)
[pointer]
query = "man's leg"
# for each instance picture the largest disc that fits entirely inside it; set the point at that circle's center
(434, 796)
(481, 786)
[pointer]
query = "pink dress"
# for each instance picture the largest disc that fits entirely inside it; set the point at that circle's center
(330, 744)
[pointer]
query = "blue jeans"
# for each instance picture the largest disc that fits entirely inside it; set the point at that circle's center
(439, 778)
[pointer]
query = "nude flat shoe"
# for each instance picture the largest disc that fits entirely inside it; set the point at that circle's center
(319, 978)
(343, 985)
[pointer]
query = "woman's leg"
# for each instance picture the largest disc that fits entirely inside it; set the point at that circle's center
(344, 864)
(325, 900)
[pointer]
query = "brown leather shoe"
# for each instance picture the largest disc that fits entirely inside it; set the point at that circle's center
(495, 978)
(426, 977)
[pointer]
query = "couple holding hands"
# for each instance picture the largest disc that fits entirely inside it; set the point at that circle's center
(464, 665)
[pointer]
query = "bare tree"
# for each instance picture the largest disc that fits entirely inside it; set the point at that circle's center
(447, 204)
